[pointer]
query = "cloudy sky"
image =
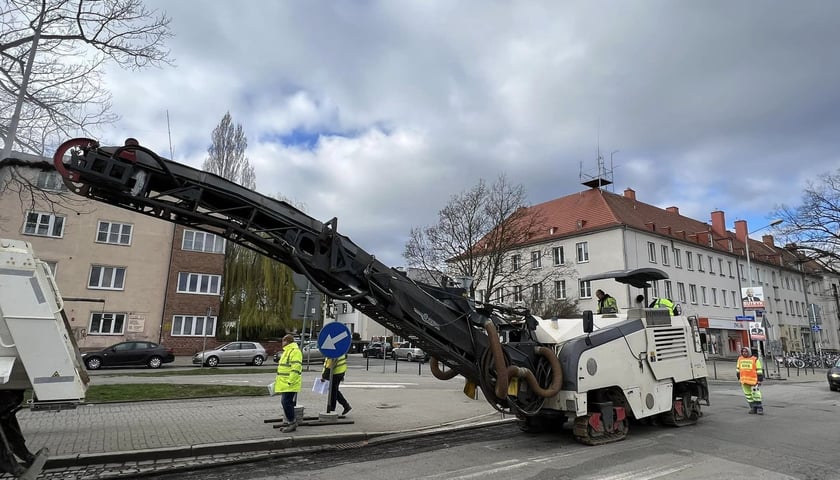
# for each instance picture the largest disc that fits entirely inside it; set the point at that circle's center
(377, 111)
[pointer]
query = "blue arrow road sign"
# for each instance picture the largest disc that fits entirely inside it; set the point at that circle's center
(816, 328)
(334, 340)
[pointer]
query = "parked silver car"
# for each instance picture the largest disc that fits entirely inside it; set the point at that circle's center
(249, 353)
(409, 352)
(310, 352)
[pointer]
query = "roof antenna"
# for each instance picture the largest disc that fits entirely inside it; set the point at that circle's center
(602, 175)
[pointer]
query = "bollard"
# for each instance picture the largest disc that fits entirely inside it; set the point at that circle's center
(367, 364)
(420, 367)
(396, 364)
(714, 367)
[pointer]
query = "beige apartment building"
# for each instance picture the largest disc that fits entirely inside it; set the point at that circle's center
(110, 264)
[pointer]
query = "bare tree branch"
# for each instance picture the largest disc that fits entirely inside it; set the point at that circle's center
(814, 226)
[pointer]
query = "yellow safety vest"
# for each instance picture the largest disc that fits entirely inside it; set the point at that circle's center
(665, 303)
(289, 370)
(340, 364)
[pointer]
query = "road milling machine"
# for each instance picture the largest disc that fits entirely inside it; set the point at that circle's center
(599, 371)
(38, 354)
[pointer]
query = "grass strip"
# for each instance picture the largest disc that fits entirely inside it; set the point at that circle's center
(164, 391)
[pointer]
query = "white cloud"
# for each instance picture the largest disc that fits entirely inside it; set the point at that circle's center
(399, 105)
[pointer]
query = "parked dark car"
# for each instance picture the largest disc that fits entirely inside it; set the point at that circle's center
(834, 377)
(375, 350)
(134, 353)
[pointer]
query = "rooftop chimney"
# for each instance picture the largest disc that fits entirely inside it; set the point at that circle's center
(741, 230)
(768, 240)
(719, 223)
(673, 210)
(630, 193)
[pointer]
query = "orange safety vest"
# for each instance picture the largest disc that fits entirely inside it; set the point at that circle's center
(748, 369)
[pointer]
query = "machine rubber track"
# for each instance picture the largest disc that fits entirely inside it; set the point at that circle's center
(685, 411)
(583, 432)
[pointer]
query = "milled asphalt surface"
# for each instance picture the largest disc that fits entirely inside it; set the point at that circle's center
(122, 440)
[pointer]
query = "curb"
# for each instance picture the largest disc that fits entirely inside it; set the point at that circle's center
(271, 447)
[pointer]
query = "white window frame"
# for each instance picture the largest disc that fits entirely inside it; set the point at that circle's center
(106, 277)
(582, 249)
(517, 293)
(537, 292)
(585, 288)
(113, 230)
(704, 296)
(47, 220)
(515, 262)
(692, 292)
(199, 283)
(560, 289)
(112, 322)
(689, 260)
(559, 256)
(678, 258)
(190, 239)
(681, 292)
(711, 265)
(51, 181)
(668, 292)
(651, 252)
(536, 259)
(665, 260)
(179, 321)
(700, 262)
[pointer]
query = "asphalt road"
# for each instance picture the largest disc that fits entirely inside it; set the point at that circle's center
(796, 439)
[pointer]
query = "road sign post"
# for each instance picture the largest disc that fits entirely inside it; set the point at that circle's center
(334, 342)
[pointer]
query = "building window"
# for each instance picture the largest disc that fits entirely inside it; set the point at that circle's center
(735, 297)
(559, 256)
(106, 278)
(500, 295)
(560, 289)
(665, 260)
(537, 291)
(723, 297)
(44, 225)
(681, 291)
(651, 252)
(193, 326)
(700, 262)
(668, 293)
(582, 252)
(197, 241)
(536, 259)
(654, 289)
(711, 265)
(731, 275)
(585, 289)
(714, 297)
(720, 267)
(517, 293)
(677, 258)
(689, 260)
(515, 262)
(692, 291)
(51, 181)
(199, 283)
(114, 233)
(102, 323)
(703, 294)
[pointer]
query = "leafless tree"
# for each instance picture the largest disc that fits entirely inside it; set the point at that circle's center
(814, 226)
(479, 234)
(51, 58)
(258, 291)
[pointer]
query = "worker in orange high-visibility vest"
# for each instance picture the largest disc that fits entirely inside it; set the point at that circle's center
(751, 373)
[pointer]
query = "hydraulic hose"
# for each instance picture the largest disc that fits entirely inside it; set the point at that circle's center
(434, 365)
(503, 373)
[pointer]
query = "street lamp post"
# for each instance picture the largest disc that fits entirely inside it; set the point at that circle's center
(749, 278)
